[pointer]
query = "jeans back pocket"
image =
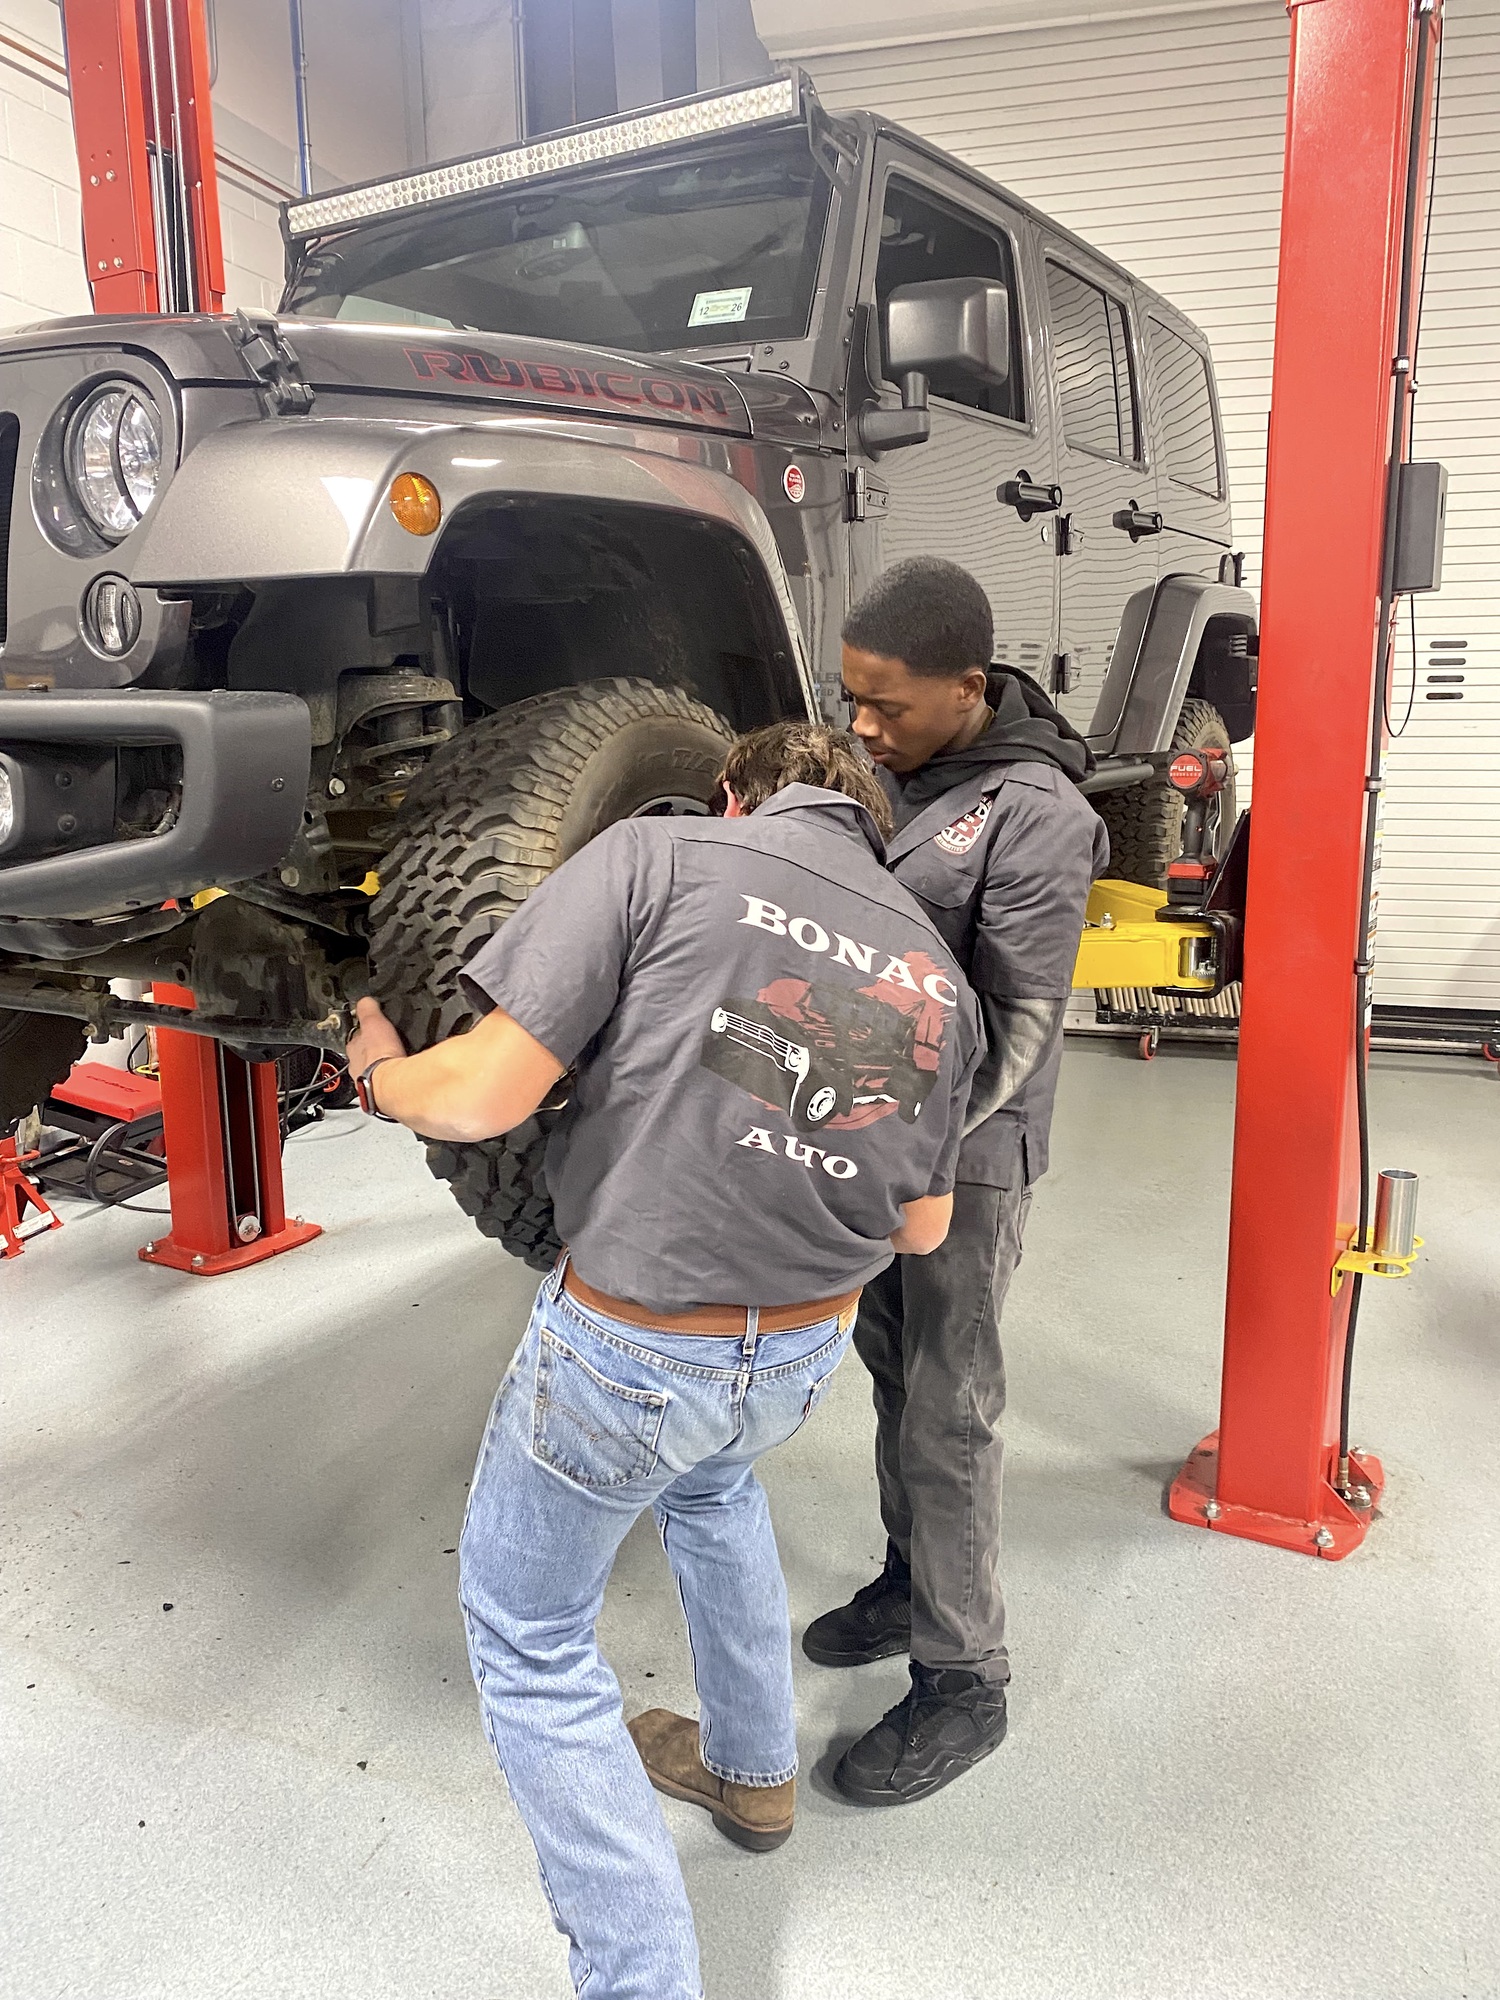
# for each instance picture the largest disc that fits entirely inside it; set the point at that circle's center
(596, 1432)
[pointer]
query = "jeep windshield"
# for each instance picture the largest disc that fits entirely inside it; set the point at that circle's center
(720, 248)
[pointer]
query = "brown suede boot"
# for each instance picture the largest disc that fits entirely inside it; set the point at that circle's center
(755, 1816)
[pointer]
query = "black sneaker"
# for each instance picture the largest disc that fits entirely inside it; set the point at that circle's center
(942, 1728)
(873, 1625)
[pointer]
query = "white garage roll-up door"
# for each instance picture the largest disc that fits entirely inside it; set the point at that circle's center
(1159, 138)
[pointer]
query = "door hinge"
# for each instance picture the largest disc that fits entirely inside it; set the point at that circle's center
(1063, 537)
(272, 360)
(863, 496)
(1064, 673)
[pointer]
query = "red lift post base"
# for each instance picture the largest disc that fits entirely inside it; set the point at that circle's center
(1337, 1531)
(221, 1122)
(17, 1194)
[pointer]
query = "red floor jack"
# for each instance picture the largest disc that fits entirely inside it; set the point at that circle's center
(17, 1194)
(221, 1119)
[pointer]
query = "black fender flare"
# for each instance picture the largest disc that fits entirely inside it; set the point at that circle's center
(1156, 654)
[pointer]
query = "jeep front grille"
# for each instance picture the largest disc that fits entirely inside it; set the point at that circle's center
(10, 438)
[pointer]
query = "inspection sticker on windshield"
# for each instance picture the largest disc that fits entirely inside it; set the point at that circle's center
(716, 308)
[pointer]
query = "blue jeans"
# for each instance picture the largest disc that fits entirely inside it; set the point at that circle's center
(596, 1421)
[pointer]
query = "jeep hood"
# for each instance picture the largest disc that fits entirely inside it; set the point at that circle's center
(498, 367)
(338, 356)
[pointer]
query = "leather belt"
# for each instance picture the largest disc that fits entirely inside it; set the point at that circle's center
(708, 1319)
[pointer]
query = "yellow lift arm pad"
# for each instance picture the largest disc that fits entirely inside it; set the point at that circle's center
(1123, 944)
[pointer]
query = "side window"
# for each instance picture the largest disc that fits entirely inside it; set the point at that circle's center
(1186, 406)
(921, 237)
(1096, 382)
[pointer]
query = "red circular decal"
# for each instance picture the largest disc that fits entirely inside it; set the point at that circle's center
(794, 482)
(1186, 771)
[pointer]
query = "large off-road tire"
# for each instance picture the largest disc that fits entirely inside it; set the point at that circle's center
(489, 819)
(1144, 822)
(36, 1051)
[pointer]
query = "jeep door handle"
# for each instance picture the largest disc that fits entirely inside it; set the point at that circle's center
(1027, 496)
(1136, 521)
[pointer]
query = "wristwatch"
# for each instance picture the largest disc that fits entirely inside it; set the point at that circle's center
(366, 1095)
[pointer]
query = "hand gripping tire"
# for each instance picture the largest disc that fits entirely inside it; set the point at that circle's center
(488, 820)
(1144, 822)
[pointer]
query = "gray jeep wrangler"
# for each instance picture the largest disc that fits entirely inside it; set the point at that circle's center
(324, 636)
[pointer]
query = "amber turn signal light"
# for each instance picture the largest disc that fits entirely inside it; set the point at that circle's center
(415, 503)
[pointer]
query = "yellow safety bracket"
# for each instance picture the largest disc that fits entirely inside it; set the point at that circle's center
(1124, 944)
(1368, 1265)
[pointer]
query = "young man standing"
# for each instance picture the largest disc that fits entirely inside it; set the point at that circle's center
(773, 1050)
(998, 846)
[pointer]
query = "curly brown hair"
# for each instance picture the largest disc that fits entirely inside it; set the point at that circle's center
(764, 761)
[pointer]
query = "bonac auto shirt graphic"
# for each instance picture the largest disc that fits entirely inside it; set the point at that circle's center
(830, 1054)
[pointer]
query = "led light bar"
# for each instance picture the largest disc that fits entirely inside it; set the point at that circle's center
(759, 105)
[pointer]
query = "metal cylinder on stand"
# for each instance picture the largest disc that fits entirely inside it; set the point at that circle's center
(1395, 1235)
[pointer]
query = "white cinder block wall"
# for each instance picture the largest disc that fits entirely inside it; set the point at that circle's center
(41, 264)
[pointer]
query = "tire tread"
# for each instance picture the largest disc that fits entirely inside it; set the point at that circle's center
(478, 832)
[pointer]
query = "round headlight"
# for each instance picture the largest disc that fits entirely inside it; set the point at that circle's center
(112, 451)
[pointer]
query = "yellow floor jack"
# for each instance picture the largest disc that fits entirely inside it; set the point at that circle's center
(1171, 959)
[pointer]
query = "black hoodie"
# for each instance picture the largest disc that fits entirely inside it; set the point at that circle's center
(1025, 729)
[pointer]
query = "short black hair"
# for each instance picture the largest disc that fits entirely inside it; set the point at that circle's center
(928, 613)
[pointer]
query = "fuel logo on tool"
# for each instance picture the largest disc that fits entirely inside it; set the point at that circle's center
(1187, 770)
(794, 482)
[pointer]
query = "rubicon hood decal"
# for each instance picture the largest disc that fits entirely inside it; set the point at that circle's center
(514, 368)
(614, 386)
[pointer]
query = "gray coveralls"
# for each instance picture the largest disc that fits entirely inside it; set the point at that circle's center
(1002, 864)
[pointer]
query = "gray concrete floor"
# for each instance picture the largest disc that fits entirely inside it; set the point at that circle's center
(238, 1743)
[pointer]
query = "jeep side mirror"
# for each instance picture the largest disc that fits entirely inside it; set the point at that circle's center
(948, 325)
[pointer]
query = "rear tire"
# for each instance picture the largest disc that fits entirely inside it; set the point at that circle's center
(1144, 822)
(488, 820)
(36, 1051)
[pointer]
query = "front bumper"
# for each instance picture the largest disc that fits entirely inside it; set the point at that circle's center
(245, 759)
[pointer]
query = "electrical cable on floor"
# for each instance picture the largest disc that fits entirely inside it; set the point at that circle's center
(1408, 328)
(321, 1130)
(106, 1203)
(332, 1072)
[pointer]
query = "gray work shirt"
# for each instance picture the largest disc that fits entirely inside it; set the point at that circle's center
(774, 1050)
(1002, 864)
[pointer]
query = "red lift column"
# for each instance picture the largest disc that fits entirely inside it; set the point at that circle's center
(222, 1126)
(1268, 1471)
(138, 76)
